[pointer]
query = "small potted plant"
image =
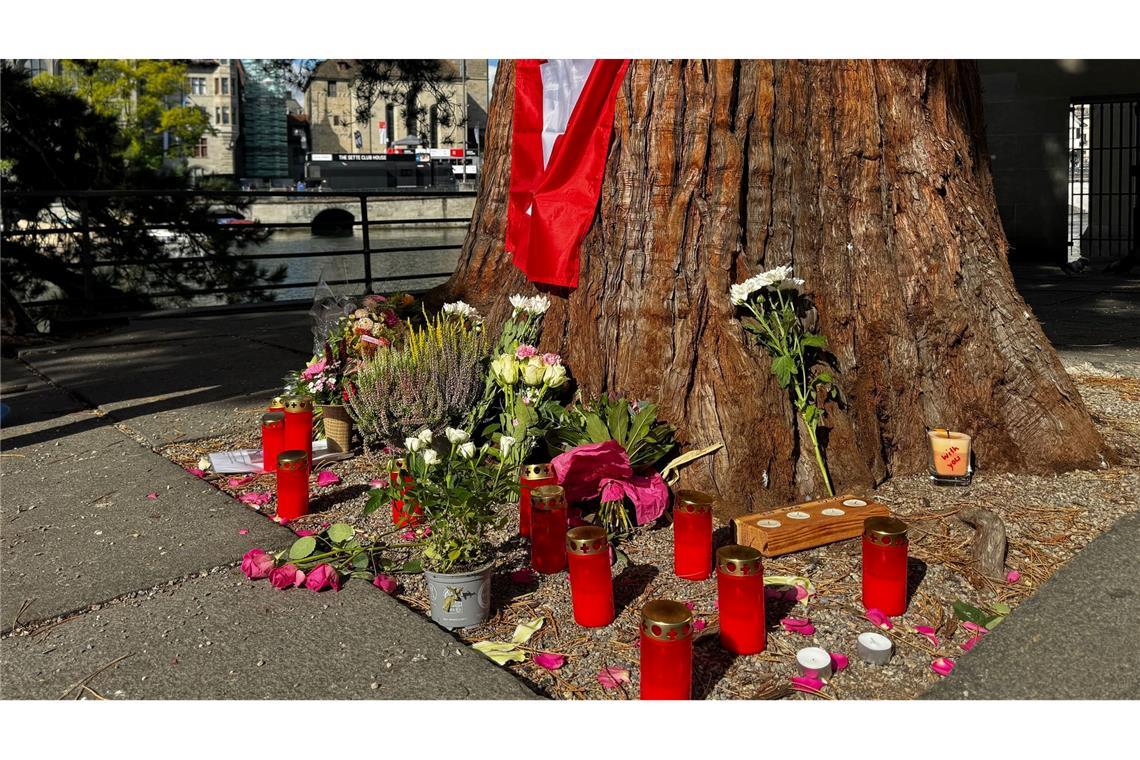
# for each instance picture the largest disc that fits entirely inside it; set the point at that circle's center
(458, 491)
(323, 379)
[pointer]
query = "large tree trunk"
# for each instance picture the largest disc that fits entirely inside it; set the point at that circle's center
(872, 180)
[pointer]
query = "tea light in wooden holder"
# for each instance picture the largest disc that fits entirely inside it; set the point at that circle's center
(874, 648)
(807, 525)
(814, 662)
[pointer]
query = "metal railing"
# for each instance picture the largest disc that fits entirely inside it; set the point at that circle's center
(87, 263)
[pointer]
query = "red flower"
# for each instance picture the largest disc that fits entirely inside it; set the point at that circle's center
(256, 564)
(321, 577)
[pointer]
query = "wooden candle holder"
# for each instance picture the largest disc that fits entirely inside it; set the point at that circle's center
(807, 525)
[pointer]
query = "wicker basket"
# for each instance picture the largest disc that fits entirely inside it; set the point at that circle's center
(338, 428)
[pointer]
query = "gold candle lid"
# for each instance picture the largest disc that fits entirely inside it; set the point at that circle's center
(735, 559)
(298, 404)
(885, 530)
(666, 620)
(272, 419)
(547, 498)
(694, 501)
(278, 402)
(537, 471)
(587, 539)
(292, 460)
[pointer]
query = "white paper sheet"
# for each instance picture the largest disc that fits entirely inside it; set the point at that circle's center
(249, 460)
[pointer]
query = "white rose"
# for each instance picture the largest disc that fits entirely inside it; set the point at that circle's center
(454, 435)
(554, 376)
(505, 443)
(413, 444)
(425, 436)
(431, 457)
(467, 450)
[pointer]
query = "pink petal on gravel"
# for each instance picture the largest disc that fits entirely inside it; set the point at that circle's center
(152, 495)
(801, 593)
(838, 661)
(966, 647)
(942, 666)
(549, 661)
(716, 604)
(699, 624)
(612, 677)
(879, 618)
(1012, 576)
(806, 683)
(240, 481)
(690, 605)
(301, 533)
(243, 532)
(928, 632)
(385, 583)
(379, 482)
(256, 498)
(979, 629)
(523, 577)
(196, 471)
(802, 626)
(327, 478)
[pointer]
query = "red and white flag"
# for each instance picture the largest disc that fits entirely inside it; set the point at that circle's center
(563, 119)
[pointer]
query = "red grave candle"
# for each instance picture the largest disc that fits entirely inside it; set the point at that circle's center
(884, 564)
(272, 439)
(403, 517)
(299, 425)
(276, 404)
(591, 584)
(740, 597)
(533, 476)
(666, 650)
(548, 529)
(692, 535)
(292, 485)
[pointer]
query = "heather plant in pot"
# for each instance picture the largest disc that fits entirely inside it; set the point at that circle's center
(458, 486)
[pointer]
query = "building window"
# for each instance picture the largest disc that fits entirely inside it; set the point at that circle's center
(336, 121)
(433, 116)
(199, 150)
(225, 85)
(332, 89)
(217, 114)
(225, 114)
(197, 85)
(390, 118)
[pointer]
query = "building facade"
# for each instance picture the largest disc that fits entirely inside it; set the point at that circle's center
(215, 85)
(332, 107)
(265, 129)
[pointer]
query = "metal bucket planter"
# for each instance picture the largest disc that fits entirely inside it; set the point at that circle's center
(338, 428)
(459, 600)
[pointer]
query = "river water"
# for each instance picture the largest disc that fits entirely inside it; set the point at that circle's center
(384, 265)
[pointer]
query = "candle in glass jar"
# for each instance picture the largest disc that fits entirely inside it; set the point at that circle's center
(740, 599)
(292, 485)
(666, 650)
(299, 425)
(692, 535)
(272, 439)
(949, 457)
(548, 529)
(402, 516)
(591, 584)
(533, 476)
(884, 565)
(276, 404)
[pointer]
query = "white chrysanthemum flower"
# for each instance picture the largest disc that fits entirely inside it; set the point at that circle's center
(519, 301)
(739, 293)
(774, 277)
(538, 304)
(431, 457)
(792, 283)
(505, 444)
(467, 450)
(462, 309)
(455, 435)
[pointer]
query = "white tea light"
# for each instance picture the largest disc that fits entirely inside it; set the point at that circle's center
(798, 515)
(854, 503)
(814, 662)
(875, 648)
(768, 523)
(833, 512)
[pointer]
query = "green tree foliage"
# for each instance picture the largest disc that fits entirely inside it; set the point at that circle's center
(53, 142)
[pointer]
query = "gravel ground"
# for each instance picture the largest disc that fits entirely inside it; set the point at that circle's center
(1048, 520)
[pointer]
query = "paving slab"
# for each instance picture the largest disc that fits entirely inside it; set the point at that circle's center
(77, 526)
(225, 637)
(1076, 638)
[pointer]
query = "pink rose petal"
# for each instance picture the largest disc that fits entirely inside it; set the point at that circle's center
(802, 626)
(879, 618)
(240, 481)
(196, 471)
(549, 661)
(928, 632)
(385, 583)
(1012, 576)
(612, 677)
(838, 661)
(523, 577)
(966, 647)
(942, 666)
(699, 624)
(979, 629)
(379, 482)
(801, 593)
(807, 683)
(301, 533)
(256, 498)
(690, 605)
(152, 495)
(327, 478)
(716, 604)
(243, 532)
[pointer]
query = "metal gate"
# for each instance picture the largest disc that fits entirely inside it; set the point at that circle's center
(1103, 146)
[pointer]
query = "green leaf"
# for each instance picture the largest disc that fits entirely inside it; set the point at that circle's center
(375, 501)
(411, 566)
(1000, 608)
(782, 368)
(596, 429)
(302, 547)
(617, 420)
(340, 532)
(811, 340)
(970, 613)
(993, 622)
(360, 561)
(824, 377)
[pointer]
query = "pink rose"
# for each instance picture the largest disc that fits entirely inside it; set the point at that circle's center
(321, 577)
(385, 583)
(551, 359)
(286, 576)
(314, 369)
(525, 352)
(256, 564)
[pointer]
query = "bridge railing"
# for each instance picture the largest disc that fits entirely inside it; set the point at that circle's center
(83, 229)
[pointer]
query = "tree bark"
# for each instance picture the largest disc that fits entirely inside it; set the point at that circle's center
(871, 179)
(989, 545)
